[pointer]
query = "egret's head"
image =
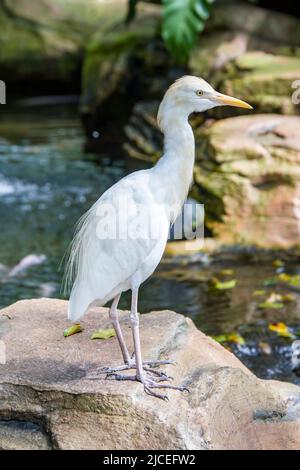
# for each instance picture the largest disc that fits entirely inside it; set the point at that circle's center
(192, 94)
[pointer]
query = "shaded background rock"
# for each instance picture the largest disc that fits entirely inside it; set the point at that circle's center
(50, 35)
(50, 381)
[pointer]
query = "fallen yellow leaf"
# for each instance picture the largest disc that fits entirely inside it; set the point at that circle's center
(274, 297)
(277, 263)
(103, 334)
(284, 277)
(227, 272)
(288, 297)
(259, 292)
(281, 329)
(232, 337)
(269, 305)
(72, 330)
(223, 285)
(236, 338)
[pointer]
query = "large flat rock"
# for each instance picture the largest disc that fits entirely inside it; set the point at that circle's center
(50, 398)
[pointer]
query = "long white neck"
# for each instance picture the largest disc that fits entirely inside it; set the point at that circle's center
(174, 171)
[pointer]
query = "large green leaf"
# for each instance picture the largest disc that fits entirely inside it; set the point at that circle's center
(183, 20)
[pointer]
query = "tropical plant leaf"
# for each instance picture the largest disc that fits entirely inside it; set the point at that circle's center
(72, 330)
(103, 334)
(183, 20)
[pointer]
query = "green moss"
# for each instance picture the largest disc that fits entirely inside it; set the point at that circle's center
(264, 80)
(16, 42)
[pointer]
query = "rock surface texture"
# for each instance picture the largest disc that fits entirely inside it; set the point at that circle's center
(50, 398)
(248, 175)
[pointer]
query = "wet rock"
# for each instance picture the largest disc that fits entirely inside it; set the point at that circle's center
(50, 35)
(49, 380)
(248, 174)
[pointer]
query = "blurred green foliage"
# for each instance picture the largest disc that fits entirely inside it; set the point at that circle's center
(183, 21)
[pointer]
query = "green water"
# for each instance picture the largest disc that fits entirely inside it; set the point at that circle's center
(47, 182)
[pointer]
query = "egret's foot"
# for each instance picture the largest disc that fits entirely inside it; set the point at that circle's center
(159, 376)
(149, 366)
(149, 384)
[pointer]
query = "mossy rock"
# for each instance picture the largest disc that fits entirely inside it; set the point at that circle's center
(247, 175)
(110, 54)
(265, 80)
(50, 35)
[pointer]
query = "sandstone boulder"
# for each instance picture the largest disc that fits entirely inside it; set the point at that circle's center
(248, 174)
(51, 395)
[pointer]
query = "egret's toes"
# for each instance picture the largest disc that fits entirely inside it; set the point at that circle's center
(111, 370)
(173, 387)
(115, 376)
(158, 363)
(150, 392)
(150, 384)
(149, 366)
(161, 376)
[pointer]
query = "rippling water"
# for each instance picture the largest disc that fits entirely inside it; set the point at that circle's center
(47, 182)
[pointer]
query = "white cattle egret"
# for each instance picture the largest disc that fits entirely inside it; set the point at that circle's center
(143, 202)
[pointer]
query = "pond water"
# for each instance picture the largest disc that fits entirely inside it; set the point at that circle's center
(47, 182)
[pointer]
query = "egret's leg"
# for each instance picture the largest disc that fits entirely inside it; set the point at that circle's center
(135, 326)
(149, 384)
(113, 315)
(140, 367)
(130, 362)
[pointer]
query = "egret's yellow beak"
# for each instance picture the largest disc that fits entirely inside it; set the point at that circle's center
(229, 100)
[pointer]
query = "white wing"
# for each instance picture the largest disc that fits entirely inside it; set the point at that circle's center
(114, 238)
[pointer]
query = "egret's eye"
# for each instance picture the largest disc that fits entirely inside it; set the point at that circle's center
(199, 93)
